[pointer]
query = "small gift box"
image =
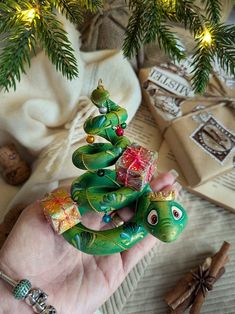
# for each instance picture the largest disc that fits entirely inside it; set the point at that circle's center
(61, 211)
(136, 166)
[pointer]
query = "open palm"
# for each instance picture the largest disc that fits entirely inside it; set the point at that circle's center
(75, 282)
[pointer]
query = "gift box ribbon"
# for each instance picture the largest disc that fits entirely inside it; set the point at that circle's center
(135, 157)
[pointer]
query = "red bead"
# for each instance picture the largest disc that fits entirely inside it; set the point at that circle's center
(119, 131)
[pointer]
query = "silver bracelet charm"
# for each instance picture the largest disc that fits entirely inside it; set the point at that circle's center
(35, 297)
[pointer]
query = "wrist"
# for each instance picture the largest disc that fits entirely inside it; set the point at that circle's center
(8, 303)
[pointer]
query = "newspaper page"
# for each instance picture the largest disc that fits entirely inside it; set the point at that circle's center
(144, 130)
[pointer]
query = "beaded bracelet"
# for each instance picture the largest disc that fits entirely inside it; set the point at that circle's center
(35, 297)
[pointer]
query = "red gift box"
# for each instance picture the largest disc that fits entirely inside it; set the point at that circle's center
(136, 166)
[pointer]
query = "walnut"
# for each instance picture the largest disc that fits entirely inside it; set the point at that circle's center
(15, 169)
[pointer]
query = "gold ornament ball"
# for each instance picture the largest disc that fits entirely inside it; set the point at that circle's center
(90, 139)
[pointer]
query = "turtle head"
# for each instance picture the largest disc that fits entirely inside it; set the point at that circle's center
(164, 218)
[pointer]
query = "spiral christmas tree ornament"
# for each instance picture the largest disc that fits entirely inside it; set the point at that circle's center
(105, 191)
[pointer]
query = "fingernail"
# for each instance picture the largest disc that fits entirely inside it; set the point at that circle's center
(176, 186)
(174, 173)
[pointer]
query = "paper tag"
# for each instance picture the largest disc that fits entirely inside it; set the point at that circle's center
(214, 139)
(174, 83)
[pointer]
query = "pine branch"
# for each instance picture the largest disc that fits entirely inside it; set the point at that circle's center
(25, 22)
(213, 10)
(224, 44)
(73, 9)
(18, 37)
(133, 4)
(55, 42)
(152, 21)
(146, 26)
(203, 58)
(168, 10)
(221, 47)
(91, 5)
(155, 29)
(169, 42)
(226, 56)
(70, 9)
(134, 31)
(14, 55)
(190, 15)
(11, 16)
(224, 33)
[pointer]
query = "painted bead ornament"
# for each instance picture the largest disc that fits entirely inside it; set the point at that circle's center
(105, 191)
(106, 218)
(90, 139)
(119, 131)
(103, 110)
(100, 172)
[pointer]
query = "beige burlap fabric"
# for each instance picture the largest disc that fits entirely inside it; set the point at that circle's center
(105, 29)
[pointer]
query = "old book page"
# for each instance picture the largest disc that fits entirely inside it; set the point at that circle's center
(144, 130)
(220, 190)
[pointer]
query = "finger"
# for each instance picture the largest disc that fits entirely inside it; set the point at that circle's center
(124, 214)
(65, 188)
(163, 180)
(176, 187)
(92, 220)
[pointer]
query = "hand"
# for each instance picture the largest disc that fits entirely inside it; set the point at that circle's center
(75, 282)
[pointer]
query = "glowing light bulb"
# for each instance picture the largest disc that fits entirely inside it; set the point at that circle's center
(29, 15)
(206, 37)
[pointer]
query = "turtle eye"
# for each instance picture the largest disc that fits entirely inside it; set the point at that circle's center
(177, 213)
(153, 217)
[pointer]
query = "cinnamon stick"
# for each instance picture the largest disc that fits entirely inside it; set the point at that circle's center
(180, 288)
(182, 307)
(184, 287)
(194, 301)
(183, 295)
(219, 260)
(197, 304)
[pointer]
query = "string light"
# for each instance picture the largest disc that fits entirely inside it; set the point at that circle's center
(206, 37)
(28, 15)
